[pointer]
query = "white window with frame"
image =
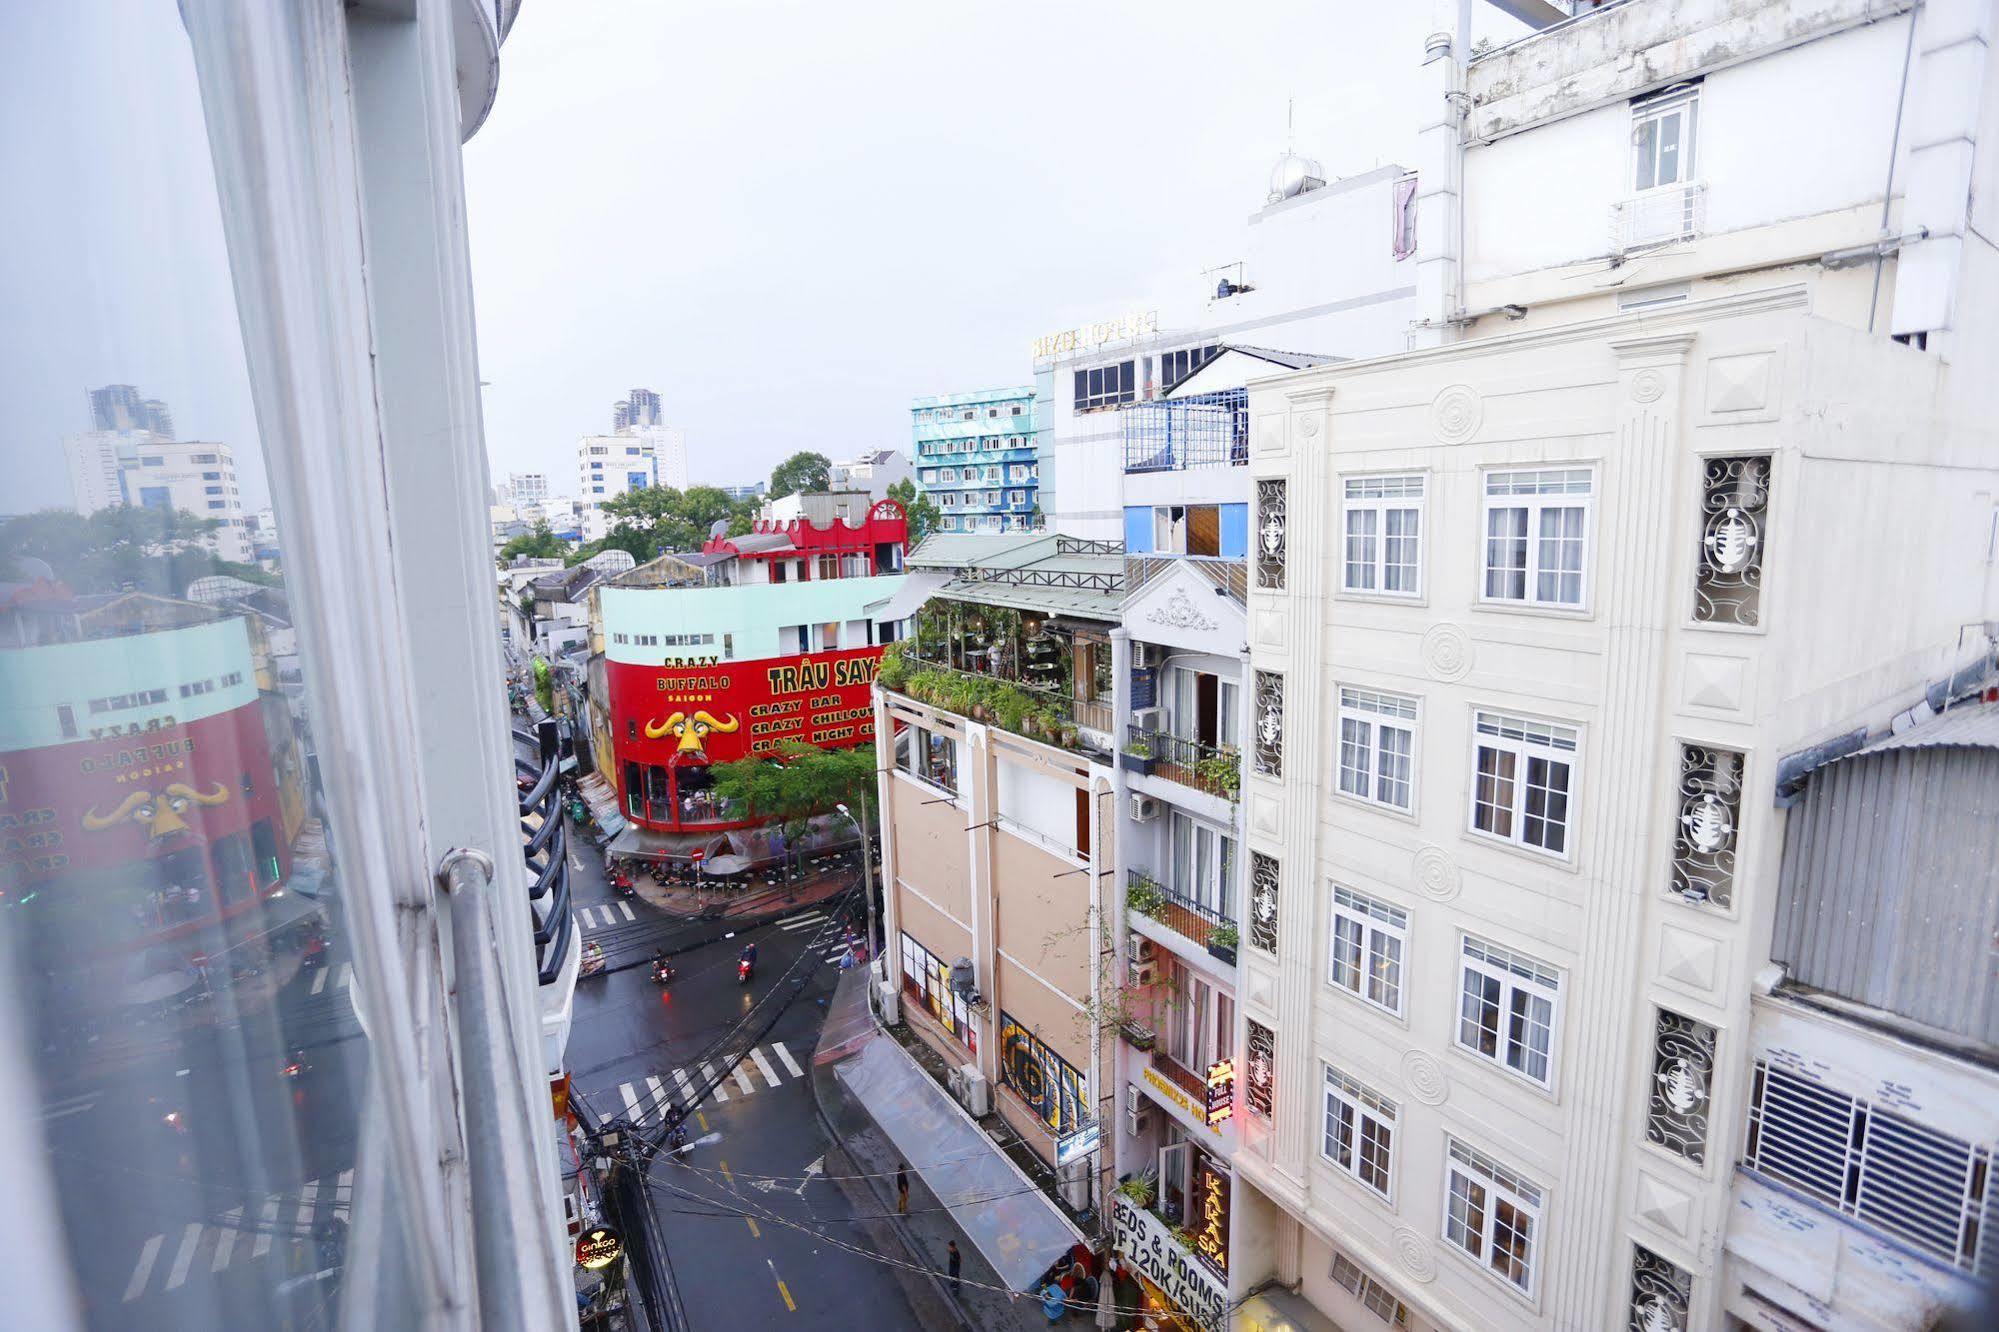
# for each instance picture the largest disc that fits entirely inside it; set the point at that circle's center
(1491, 1214)
(1524, 777)
(1378, 747)
(1383, 527)
(1369, 941)
(1201, 706)
(1537, 536)
(1376, 1298)
(1203, 862)
(1507, 1008)
(1199, 1024)
(1662, 140)
(1359, 1131)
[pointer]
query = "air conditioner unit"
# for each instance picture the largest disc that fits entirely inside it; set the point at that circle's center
(891, 1002)
(1144, 808)
(1143, 974)
(1074, 1181)
(1138, 1121)
(1138, 948)
(1149, 719)
(956, 1079)
(973, 1091)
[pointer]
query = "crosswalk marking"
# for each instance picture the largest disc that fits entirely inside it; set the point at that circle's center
(708, 1075)
(263, 1244)
(319, 981)
(343, 1195)
(190, 1239)
(225, 1244)
(768, 1071)
(743, 1077)
(789, 1062)
(686, 1086)
(308, 1202)
(631, 1099)
(658, 1090)
(800, 922)
(144, 1271)
(626, 907)
(75, 1105)
(346, 974)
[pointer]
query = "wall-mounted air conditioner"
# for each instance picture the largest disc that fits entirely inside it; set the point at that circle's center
(1144, 808)
(1149, 719)
(1137, 1111)
(891, 1002)
(1143, 974)
(1138, 948)
(972, 1090)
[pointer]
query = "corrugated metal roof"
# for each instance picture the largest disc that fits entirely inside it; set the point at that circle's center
(984, 550)
(759, 542)
(1081, 602)
(1969, 726)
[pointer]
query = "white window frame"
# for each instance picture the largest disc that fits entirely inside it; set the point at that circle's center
(1495, 1184)
(1374, 1119)
(1520, 980)
(1363, 1285)
(1529, 741)
(1682, 106)
(1366, 716)
(1537, 491)
(1377, 497)
(1379, 935)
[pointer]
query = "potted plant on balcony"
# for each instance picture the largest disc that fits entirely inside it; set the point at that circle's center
(1222, 941)
(1221, 772)
(1137, 1035)
(1140, 1187)
(1137, 756)
(1143, 896)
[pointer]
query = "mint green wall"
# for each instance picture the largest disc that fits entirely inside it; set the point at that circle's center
(752, 613)
(39, 678)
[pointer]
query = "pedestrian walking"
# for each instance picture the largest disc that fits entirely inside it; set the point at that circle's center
(955, 1261)
(901, 1188)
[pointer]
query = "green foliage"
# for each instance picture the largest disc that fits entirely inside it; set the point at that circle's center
(800, 474)
(655, 519)
(1221, 771)
(920, 508)
(894, 671)
(544, 686)
(1138, 747)
(803, 780)
(1142, 1187)
(1224, 935)
(538, 543)
(128, 546)
(1142, 895)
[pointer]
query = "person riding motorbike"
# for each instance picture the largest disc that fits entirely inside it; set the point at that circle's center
(661, 972)
(593, 957)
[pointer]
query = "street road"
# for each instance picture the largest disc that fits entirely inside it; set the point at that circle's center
(757, 1143)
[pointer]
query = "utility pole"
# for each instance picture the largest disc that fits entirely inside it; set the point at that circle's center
(867, 880)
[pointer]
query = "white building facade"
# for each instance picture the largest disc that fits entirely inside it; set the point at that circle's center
(1539, 622)
(108, 468)
(608, 466)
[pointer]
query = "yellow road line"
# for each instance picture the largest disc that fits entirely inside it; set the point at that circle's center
(702, 1120)
(725, 1173)
(754, 1232)
(781, 1288)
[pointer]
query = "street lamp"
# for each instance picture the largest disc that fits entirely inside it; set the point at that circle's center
(867, 886)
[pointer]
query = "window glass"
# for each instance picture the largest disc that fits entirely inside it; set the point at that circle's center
(177, 956)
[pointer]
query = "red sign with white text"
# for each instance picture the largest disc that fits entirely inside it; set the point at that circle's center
(680, 714)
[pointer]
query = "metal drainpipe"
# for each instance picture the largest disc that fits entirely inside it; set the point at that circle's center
(466, 876)
(1894, 142)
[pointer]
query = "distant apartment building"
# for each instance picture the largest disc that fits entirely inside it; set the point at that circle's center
(526, 491)
(976, 458)
(1573, 707)
(608, 466)
(122, 407)
(635, 411)
(751, 492)
(109, 468)
(873, 472)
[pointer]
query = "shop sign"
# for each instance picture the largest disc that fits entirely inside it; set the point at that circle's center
(1079, 1144)
(598, 1247)
(1174, 1096)
(708, 714)
(1221, 1092)
(1084, 337)
(1210, 1199)
(1143, 1241)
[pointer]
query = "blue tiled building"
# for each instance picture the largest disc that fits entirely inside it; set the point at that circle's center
(977, 457)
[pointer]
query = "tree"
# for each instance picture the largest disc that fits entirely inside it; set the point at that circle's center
(919, 507)
(538, 543)
(654, 519)
(126, 546)
(801, 474)
(802, 781)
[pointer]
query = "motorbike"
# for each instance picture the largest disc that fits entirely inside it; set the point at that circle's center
(315, 953)
(622, 886)
(661, 973)
(743, 969)
(297, 1066)
(593, 960)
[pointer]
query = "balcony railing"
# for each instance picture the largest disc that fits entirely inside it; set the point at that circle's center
(1184, 915)
(546, 835)
(1205, 430)
(1214, 769)
(1662, 216)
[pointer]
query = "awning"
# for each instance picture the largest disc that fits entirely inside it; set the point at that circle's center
(903, 602)
(1012, 1223)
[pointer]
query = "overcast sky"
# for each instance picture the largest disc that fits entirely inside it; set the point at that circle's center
(788, 218)
(792, 218)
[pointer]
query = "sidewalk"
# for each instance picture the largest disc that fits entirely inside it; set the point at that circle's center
(688, 902)
(863, 1162)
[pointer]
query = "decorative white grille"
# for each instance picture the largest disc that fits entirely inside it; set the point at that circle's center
(1660, 1293)
(1735, 499)
(1269, 751)
(1262, 902)
(1260, 1087)
(1270, 535)
(1706, 826)
(1682, 1080)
